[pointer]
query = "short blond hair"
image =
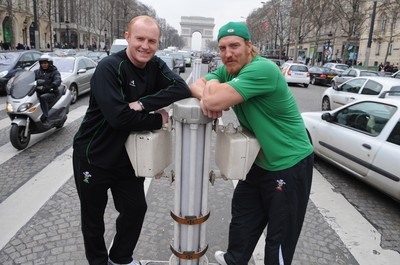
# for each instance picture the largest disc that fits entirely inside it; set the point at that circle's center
(146, 19)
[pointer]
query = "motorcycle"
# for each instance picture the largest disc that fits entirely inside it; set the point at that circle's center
(23, 108)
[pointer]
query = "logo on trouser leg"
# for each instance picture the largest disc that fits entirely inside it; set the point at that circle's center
(86, 176)
(281, 182)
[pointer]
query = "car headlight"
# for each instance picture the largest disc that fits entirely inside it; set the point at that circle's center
(3, 73)
(9, 107)
(24, 107)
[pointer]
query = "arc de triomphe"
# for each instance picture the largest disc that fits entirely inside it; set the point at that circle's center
(192, 24)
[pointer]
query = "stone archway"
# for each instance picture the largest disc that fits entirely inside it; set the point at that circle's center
(203, 25)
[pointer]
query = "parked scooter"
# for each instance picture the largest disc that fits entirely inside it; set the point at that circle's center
(23, 108)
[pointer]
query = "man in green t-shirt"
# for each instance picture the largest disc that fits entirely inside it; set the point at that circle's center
(277, 187)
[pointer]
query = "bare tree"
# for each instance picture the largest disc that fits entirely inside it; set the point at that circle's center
(350, 18)
(388, 13)
(321, 18)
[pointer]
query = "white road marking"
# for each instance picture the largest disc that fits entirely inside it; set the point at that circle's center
(359, 236)
(23, 204)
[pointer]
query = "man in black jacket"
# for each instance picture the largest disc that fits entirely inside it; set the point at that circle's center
(125, 90)
(48, 93)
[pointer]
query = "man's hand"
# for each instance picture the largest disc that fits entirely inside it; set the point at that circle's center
(209, 113)
(164, 114)
(136, 106)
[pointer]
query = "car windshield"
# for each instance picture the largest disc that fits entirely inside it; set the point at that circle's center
(342, 67)
(366, 73)
(299, 68)
(64, 64)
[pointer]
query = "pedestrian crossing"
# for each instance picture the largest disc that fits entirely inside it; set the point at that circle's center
(358, 235)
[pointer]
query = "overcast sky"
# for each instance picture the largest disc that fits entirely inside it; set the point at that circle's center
(222, 11)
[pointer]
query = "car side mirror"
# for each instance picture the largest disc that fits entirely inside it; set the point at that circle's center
(327, 117)
(81, 71)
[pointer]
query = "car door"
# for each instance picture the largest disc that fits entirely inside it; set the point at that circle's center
(385, 173)
(348, 140)
(347, 92)
(80, 76)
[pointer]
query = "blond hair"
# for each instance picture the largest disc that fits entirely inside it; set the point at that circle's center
(147, 20)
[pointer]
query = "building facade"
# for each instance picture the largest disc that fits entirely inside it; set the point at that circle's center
(44, 24)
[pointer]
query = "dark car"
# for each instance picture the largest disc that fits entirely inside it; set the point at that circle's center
(206, 57)
(13, 62)
(321, 75)
(180, 60)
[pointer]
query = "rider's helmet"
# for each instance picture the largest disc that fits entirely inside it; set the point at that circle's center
(46, 58)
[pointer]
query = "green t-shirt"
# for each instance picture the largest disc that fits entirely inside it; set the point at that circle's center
(269, 110)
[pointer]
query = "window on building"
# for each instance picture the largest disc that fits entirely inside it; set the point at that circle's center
(378, 48)
(382, 23)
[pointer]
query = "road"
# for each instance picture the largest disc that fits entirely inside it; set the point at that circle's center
(347, 222)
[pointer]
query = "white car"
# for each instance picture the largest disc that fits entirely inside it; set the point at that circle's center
(363, 138)
(296, 73)
(357, 88)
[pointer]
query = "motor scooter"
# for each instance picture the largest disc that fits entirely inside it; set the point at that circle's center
(23, 108)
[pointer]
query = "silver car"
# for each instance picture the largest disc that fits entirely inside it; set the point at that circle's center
(76, 73)
(351, 73)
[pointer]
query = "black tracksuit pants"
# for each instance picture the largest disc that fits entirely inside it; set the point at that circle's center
(277, 199)
(127, 190)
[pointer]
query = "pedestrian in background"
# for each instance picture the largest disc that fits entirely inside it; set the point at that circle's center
(125, 89)
(277, 187)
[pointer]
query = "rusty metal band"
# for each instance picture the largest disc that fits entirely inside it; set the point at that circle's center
(190, 220)
(188, 255)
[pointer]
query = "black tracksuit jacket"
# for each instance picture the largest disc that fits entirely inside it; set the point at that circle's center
(109, 120)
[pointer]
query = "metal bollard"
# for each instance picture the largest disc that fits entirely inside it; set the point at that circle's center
(193, 132)
(196, 73)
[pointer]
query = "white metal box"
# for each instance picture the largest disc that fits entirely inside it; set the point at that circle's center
(150, 152)
(235, 152)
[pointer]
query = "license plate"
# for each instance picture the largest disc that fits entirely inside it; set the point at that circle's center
(300, 74)
(330, 76)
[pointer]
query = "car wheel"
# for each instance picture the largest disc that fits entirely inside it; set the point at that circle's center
(74, 93)
(326, 104)
(305, 85)
(313, 81)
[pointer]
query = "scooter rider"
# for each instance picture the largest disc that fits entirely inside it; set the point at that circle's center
(49, 93)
